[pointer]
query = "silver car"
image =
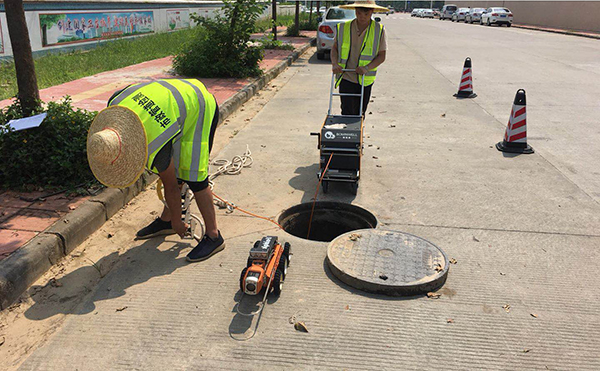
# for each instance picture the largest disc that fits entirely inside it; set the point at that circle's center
(460, 15)
(328, 28)
(474, 15)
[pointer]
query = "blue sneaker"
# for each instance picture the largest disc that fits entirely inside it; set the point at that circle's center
(206, 248)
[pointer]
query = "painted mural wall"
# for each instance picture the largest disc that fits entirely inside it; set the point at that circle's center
(51, 30)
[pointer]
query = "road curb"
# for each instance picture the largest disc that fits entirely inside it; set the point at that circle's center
(28, 263)
(562, 32)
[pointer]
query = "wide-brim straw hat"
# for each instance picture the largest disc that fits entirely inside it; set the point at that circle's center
(369, 4)
(117, 147)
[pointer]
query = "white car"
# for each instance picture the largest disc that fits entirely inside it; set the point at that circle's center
(497, 16)
(474, 15)
(460, 15)
(427, 13)
(414, 12)
(328, 26)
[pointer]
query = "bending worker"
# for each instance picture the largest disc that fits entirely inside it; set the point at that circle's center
(360, 45)
(166, 126)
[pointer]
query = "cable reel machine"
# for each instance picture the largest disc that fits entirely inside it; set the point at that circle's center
(341, 143)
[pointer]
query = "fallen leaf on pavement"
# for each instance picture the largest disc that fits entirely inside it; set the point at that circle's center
(392, 126)
(506, 307)
(66, 221)
(355, 236)
(347, 307)
(443, 115)
(453, 261)
(292, 319)
(502, 274)
(533, 315)
(55, 283)
(526, 350)
(475, 239)
(300, 326)
(110, 235)
(72, 207)
(2, 340)
(383, 277)
(378, 165)
(433, 295)
(438, 268)
(121, 309)
(376, 158)
(449, 320)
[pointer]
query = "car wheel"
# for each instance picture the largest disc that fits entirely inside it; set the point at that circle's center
(508, 24)
(320, 55)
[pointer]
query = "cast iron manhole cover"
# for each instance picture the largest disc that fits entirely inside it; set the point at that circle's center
(387, 262)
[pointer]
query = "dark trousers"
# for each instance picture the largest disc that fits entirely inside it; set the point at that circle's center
(351, 105)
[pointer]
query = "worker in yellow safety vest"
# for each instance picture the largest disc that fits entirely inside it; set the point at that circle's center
(166, 126)
(360, 45)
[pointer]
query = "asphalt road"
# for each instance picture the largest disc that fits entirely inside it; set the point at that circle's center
(524, 230)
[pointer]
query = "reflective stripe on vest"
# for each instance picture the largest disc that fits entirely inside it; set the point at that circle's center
(180, 110)
(370, 47)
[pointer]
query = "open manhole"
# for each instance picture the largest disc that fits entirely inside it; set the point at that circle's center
(330, 219)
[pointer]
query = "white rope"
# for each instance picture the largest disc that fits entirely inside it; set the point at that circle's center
(233, 167)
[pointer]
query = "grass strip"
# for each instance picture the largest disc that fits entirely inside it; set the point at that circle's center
(55, 69)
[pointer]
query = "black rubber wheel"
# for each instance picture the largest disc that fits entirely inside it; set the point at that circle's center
(249, 263)
(242, 279)
(325, 185)
(278, 282)
(283, 264)
(287, 249)
(508, 24)
(320, 55)
(256, 244)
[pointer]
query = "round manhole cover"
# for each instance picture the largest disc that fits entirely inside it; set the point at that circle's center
(387, 262)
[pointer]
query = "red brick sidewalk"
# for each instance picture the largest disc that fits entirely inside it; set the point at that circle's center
(22, 219)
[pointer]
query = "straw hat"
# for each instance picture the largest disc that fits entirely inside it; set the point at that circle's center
(117, 148)
(369, 4)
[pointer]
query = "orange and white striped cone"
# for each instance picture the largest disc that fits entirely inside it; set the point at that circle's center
(515, 137)
(465, 88)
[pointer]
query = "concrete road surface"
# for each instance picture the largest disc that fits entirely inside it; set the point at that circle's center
(524, 230)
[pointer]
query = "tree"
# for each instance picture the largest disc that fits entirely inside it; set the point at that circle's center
(274, 16)
(28, 94)
(297, 17)
(46, 22)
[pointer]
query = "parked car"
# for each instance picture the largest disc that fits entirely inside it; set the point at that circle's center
(474, 15)
(436, 12)
(414, 12)
(447, 11)
(497, 16)
(327, 28)
(420, 13)
(427, 13)
(460, 15)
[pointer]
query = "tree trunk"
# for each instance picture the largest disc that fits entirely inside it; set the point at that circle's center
(274, 16)
(297, 20)
(310, 14)
(29, 94)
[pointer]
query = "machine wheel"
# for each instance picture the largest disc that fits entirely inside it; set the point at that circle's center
(249, 263)
(325, 185)
(242, 279)
(278, 282)
(283, 264)
(320, 55)
(287, 249)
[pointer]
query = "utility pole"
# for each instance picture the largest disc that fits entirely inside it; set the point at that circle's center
(23, 56)
(274, 16)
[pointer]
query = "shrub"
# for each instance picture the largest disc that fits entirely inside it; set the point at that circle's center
(224, 48)
(268, 42)
(52, 156)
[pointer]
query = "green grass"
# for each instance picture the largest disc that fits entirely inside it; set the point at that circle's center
(55, 69)
(265, 24)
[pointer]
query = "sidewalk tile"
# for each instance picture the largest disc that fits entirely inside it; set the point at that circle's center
(7, 212)
(12, 240)
(58, 203)
(12, 199)
(31, 220)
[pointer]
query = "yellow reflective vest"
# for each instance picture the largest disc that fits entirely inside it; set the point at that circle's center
(369, 49)
(181, 110)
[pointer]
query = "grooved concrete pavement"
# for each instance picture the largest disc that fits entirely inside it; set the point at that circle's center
(524, 231)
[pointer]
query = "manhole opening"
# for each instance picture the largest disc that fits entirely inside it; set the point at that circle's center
(330, 220)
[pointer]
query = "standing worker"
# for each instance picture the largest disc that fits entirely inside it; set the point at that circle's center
(359, 44)
(168, 127)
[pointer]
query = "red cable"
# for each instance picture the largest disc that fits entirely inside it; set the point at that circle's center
(316, 193)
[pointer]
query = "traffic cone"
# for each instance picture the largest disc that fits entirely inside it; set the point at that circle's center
(465, 88)
(515, 137)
